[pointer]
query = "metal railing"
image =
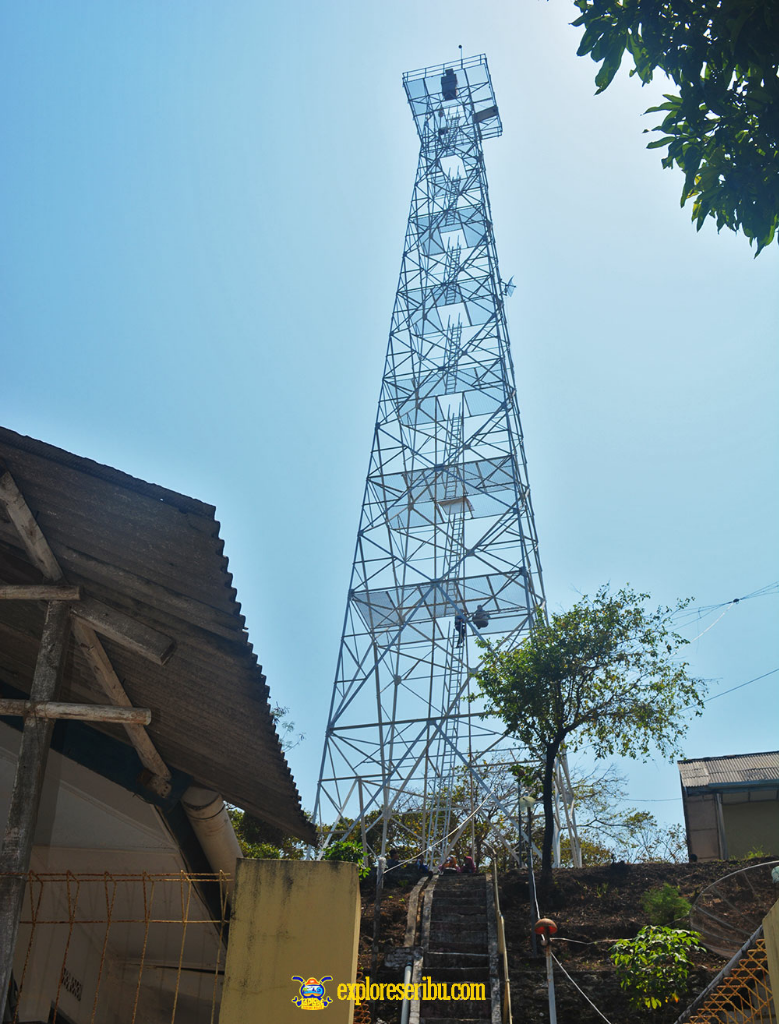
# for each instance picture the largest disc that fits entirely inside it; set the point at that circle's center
(502, 950)
(741, 992)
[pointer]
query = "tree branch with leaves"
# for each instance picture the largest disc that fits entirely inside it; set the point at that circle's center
(722, 127)
(606, 674)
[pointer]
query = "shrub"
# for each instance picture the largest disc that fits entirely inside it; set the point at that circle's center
(756, 851)
(653, 969)
(345, 849)
(665, 906)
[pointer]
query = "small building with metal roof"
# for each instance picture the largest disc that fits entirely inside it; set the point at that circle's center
(132, 706)
(731, 805)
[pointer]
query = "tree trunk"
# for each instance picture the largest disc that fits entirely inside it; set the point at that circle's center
(548, 800)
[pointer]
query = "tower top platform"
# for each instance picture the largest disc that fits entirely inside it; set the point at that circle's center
(463, 83)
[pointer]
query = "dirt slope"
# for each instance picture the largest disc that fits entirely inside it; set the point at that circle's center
(594, 905)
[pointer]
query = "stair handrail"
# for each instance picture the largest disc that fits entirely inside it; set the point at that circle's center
(506, 1002)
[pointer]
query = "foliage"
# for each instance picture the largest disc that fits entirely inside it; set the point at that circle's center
(260, 841)
(604, 673)
(288, 738)
(592, 852)
(722, 127)
(346, 850)
(756, 851)
(654, 967)
(404, 829)
(608, 832)
(665, 905)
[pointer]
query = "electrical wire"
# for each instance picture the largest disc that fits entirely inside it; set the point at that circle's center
(739, 687)
(581, 942)
(687, 615)
(579, 990)
(713, 624)
(535, 895)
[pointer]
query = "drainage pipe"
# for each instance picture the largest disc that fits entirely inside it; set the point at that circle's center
(406, 1007)
(211, 824)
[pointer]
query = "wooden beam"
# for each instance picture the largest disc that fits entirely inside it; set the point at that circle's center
(16, 849)
(117, 626)
(82, 712)
(144, 640)
(38, 592)
(127, 632)
(20, 515)
(99, 662)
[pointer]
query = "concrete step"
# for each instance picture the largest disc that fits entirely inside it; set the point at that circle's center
(442, 961)
(451, 1008)
(458, 911)
(451, 883)
(450, 1020)
(459, 933)
(455, 900)
(453, 946)
(454, 975)
(471, 913)
(458, 949)
(458, 1011)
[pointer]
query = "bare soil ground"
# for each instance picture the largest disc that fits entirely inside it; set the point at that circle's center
(591, 907)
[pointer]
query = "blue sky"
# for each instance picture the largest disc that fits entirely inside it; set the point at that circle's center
(203, 208)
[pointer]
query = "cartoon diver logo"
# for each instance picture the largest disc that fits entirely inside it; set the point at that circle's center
(312, 994)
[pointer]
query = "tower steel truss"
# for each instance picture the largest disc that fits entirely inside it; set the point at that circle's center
(447, 548)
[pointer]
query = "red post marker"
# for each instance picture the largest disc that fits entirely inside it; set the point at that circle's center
(545, 928)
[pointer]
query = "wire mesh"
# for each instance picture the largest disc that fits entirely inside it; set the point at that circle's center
(120, 948)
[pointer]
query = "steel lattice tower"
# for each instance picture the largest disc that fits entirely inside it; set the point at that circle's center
(446, 547)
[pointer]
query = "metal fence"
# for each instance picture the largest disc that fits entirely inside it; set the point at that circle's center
(120, 948)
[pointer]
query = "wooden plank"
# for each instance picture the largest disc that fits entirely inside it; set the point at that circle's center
(101, 666)
(127, 632)
(81, 712)
(36, 592)
(25, 799)
(20, 515)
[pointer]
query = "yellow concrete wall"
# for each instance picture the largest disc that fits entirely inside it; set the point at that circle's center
(771, 933)
(290, 918)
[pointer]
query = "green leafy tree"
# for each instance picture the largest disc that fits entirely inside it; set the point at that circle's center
(261, 841)
(603, 673)
(722, 127)
(348, 850)
(654, 968)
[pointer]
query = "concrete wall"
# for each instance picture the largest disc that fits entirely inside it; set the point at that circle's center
(290, 918)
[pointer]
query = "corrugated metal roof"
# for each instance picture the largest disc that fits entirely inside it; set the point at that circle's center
(156, 555)
(736, 769)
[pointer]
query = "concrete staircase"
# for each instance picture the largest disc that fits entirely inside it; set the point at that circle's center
(458, 939)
